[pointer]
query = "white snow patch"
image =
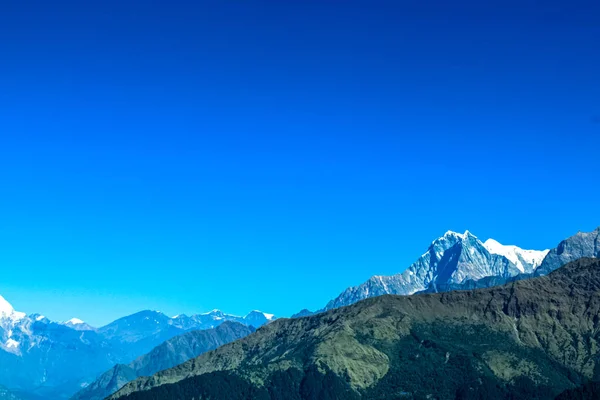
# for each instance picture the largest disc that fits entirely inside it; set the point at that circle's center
(74, 321)
(7, 311)
(515, 254)
(215, 311)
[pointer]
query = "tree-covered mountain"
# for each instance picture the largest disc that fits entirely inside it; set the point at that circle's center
(166, 355)
(530, 339)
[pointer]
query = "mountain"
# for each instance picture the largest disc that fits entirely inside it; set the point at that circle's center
(303, 313)
(582, 244)
(49, 359)
(168, 354)
(141, 332)
(531, 339)
(40, 357)
(78, 325)
(526, 261)
(451, 259)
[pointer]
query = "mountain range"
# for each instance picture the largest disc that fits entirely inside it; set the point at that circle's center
(461, 261)
(54, 360)
(530, 339)
(166, 355)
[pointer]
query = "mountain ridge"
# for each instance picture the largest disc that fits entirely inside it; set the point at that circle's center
(537, 334)
(54, 359)
(490, 263)
(172, 352)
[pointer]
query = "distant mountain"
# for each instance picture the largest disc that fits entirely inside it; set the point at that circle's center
(78, 325)
(577, 246)
(303, 313)
(49, 359)
(140, 332)
(531, 339)
(582, 244)
(451, 259)
(526, 261)
(39, 357)
(166, 355)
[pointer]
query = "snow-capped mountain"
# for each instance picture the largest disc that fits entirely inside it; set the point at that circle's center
(78, 325)
(54, 359)
(8, 313)
(257, 318)
(526, 261)
(451, 259)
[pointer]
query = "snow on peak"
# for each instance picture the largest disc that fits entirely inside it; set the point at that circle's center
(267, 316)
(74, 321)
(215, 311)
(5, 307)
(458, 235)
(452, 233)
(515, 254)
(7, 311)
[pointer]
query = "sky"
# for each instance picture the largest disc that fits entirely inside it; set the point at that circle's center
(190, 155)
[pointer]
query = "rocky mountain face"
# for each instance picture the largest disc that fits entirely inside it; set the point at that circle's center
(530, 339)
(451, 259)
(462, 262)
(55, 360)
(583, 244)
(166, 355)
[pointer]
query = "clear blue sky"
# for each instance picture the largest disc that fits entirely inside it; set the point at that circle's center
(190, 155)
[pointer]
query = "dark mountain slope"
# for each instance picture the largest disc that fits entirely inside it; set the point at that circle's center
(528, 339)
(169, 354)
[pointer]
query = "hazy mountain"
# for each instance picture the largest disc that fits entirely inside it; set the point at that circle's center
(168, 354)
(303, 313)
(55, 360)
(531, 339)
(78, 325)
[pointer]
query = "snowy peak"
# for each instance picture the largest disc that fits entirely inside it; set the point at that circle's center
(456, 235)
(255, 313)
(5, 306)
(525, 260)
(78, 325)
(452, 259)
(7, 311)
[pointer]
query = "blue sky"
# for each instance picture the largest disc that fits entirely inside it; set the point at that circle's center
(185, 156)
